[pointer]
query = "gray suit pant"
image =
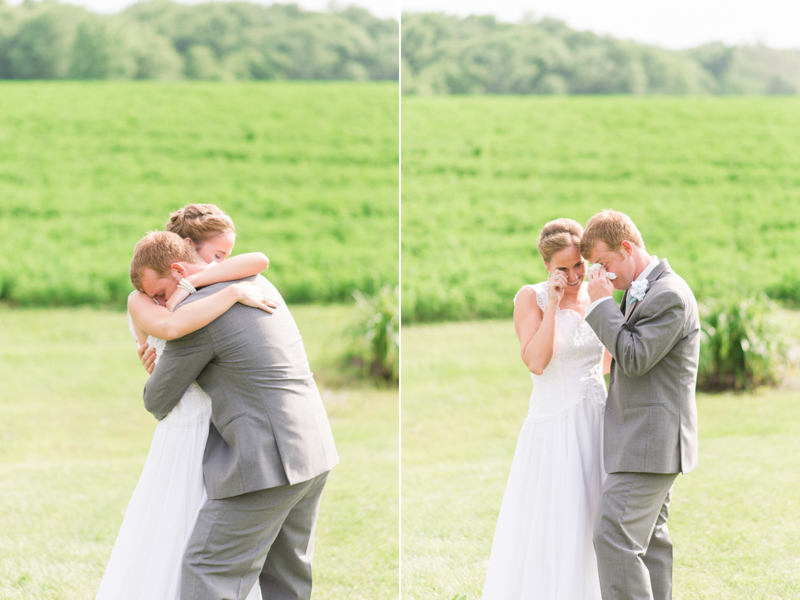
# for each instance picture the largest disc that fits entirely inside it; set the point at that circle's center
(267, 535)
(631, 539)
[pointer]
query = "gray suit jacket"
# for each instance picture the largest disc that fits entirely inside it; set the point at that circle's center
(268, 424)
(651, 415)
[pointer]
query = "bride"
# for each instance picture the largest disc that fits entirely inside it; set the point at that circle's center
(542, 545)
(145, 563)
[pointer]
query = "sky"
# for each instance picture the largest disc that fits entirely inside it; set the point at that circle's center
(666, 23)
(379, 8)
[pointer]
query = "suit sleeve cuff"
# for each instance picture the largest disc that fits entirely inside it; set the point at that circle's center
(592, 306)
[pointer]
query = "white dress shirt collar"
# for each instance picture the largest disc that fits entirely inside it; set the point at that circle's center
(649, 268)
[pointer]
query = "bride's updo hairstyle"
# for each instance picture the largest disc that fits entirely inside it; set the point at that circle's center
(557, 235)
(200, 222)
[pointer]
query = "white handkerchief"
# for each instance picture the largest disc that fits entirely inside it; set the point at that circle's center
(597, 267)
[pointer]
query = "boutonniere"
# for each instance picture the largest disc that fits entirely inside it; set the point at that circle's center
(638, 289)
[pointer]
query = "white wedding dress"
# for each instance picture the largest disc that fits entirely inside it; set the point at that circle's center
(542, 548)
(145, 563)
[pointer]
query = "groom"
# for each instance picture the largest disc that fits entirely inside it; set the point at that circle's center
(650, 431)
(269, 447)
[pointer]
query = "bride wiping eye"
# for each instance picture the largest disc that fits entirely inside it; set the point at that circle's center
(560, 478)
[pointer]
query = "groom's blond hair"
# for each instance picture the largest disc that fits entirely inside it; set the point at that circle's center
(612, 228)
(157, 251)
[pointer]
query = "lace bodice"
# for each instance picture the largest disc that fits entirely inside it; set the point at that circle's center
(194, 406)
(575, 373)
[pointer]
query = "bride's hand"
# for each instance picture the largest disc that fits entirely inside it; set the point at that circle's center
(250, 294)
(178, 296)
(555, 287)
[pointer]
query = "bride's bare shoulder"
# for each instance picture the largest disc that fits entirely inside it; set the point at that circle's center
(135, 297)
(137, 301)
(527, 297)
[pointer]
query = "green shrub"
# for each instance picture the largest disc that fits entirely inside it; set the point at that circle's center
(375, 347)
(742, 345)
(787, 290)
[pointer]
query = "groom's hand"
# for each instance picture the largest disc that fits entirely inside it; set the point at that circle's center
(600, 286)
(148, 357)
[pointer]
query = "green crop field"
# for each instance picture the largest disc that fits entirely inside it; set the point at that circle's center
(712, 183)
(74, 436)
(308, 171)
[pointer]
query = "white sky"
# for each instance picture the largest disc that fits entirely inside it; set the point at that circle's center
(667, 23)
(379, 8)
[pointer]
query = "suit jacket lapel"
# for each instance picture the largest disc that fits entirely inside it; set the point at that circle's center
(633, 309)
(662, 266)
(624, 304)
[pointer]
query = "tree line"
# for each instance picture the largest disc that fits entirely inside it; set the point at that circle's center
(444, 54)
(163, 40)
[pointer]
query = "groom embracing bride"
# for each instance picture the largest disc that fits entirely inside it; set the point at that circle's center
(585, 511)
(269, 447)
(227, 503)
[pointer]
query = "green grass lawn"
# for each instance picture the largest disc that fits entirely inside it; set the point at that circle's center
(74, 436)
(712, 183)
(735, 521)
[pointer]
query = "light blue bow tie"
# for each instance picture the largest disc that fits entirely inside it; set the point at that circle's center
(637, 290)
